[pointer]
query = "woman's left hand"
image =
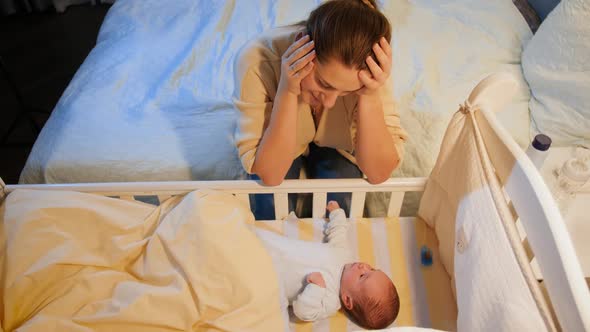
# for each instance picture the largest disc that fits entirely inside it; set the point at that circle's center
(378, 73)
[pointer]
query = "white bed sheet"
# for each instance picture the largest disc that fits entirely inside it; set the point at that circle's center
(153, 99)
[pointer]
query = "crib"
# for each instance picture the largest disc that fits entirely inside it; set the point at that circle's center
(431, 295)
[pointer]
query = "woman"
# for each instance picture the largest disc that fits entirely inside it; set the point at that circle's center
(314, 96)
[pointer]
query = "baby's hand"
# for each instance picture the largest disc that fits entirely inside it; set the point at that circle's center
(332, 205)
(317, 279)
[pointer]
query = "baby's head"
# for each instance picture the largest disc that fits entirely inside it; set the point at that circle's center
(368, 295)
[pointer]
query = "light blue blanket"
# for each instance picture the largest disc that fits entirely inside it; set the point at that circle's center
(152, 101)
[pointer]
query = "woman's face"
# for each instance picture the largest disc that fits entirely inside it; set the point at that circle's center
(328, 81)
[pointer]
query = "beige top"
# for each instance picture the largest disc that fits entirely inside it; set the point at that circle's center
(257, 72)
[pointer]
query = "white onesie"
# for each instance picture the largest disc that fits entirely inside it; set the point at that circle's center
(295, 259)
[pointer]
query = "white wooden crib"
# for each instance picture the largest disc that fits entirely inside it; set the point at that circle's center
(543, 234)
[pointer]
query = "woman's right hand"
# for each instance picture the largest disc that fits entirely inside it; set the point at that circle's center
(296, 63)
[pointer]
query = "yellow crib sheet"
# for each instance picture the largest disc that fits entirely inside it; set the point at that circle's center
(392, 245)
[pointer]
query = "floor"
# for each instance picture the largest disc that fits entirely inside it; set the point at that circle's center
(40, 53)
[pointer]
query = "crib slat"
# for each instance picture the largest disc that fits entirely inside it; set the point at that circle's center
(281, 205)
(127, 197)
(358, 204)
(395, 203)
(319, 204)
(528, 250)
(244, 198)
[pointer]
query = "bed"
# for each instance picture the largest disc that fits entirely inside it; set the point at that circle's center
(153, 100)
(62, 243)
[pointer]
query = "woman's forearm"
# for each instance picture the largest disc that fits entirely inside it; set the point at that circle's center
(376, 154)
(277, 146)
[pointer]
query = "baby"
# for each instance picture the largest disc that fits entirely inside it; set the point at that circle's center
(320, 278)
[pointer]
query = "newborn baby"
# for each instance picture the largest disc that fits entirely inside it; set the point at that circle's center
(320, 278)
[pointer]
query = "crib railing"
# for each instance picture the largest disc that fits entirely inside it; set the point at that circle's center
(319, 188)
(541, 234)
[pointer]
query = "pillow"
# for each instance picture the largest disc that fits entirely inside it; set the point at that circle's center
(555, 64)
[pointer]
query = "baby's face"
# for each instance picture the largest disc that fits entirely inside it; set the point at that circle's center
(363, 278)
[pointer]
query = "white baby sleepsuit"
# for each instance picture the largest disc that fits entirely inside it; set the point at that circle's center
(295, 259)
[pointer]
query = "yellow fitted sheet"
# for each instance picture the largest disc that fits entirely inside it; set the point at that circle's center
(392, 245)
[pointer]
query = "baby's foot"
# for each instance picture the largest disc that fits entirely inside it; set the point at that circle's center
(332, 205)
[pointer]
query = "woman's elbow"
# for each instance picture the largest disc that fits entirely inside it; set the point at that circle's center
(267, 176)
(270, 179)
(383, 174)
(377, 179)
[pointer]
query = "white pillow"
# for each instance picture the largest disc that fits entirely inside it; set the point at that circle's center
(557, 67)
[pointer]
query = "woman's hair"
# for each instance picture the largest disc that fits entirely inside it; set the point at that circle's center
(371, 313)
(346, 30)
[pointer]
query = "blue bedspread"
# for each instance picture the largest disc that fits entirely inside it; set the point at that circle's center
(152, 101)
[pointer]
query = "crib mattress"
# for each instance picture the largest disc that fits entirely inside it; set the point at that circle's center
(392, 245)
